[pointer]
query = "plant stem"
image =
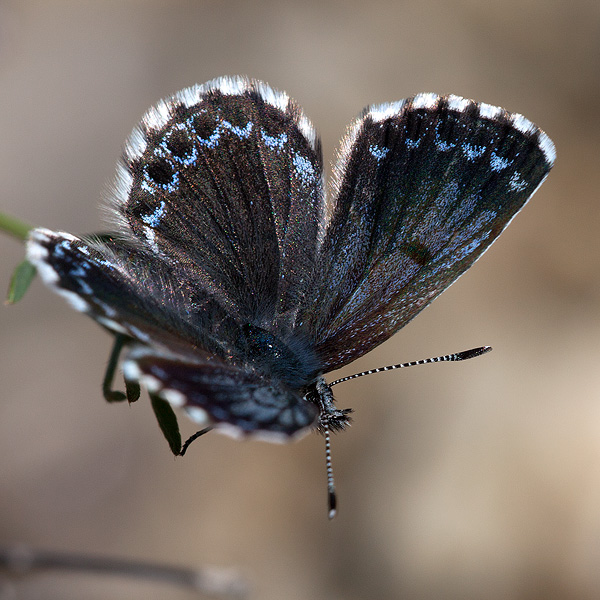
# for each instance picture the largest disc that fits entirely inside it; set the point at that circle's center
(14, 226)
(217, 583)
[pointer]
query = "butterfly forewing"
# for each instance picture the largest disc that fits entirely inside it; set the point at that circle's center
(423, 188)
(225, 182)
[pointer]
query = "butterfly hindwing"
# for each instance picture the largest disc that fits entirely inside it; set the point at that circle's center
(238, 401)
(96, 279)
(129, 291)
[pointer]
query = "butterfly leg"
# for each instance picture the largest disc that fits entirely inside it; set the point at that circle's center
(187, 443)
(132, 388)
(167, 421)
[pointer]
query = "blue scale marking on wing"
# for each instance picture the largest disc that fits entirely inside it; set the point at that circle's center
(154, 219)
(472, 152)
(274, 142)
(498, 163)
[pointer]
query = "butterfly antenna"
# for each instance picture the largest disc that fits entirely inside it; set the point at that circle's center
(465, 355)
(331, 495)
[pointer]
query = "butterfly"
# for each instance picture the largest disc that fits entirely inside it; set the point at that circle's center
(237, 280)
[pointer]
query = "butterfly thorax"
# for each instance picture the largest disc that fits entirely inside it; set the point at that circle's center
(292, 361)
(319, 393)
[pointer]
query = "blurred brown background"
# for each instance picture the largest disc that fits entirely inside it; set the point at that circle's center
(474, 480)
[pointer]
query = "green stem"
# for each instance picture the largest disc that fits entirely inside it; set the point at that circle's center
(14, 226)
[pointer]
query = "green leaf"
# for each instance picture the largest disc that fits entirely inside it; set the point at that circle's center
(167, 421)
(19, 283)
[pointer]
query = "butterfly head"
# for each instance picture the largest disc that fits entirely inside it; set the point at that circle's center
(330, 417)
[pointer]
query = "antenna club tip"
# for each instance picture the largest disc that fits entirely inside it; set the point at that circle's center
(332, 501)
(473, 353)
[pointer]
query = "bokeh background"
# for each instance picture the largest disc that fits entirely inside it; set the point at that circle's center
(473, 480)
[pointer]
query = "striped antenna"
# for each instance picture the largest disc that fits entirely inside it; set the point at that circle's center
(331, 495)
(465, 355)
